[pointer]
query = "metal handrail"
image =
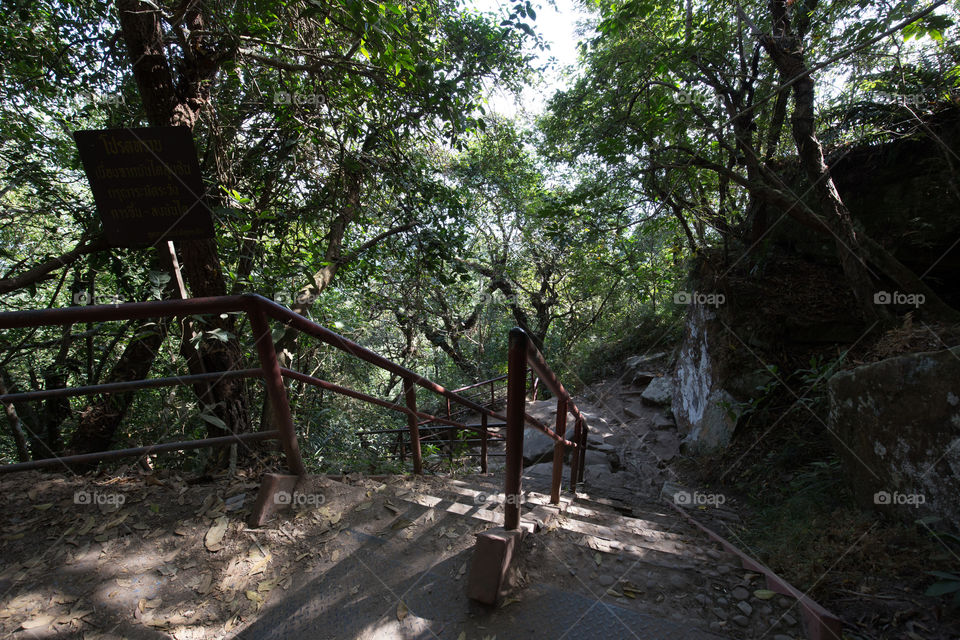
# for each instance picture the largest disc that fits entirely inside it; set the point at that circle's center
(259, 310)
(522, 354)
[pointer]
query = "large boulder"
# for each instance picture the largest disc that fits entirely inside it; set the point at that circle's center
(705, 412)
(896, 426)
(659, 392)
(638, 368)
(537, 446)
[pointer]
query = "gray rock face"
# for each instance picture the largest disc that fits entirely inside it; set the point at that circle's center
(716, 425)
(704, 410)
(664, 445)
(593, 458)
(663, 422)
(544, 469)
(537, 446)
(637, 363)
(659, 392)
(641, 378)
(898, 425)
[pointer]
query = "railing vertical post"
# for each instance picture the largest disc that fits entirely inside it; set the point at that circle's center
(558, 450)
(516, 409)
(584, 430)
(410, 393)
(483, 443)
(575, 458)
(276, 390)
(451, 435)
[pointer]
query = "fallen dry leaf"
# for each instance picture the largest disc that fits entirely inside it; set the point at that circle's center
(40, 621)
(215, 534)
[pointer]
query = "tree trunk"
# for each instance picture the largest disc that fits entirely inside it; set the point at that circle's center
(170, 104)
(786, 51)
(16, 427)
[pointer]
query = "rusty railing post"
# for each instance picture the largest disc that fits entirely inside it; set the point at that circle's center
(558, 450)
(276, 390)
(483, 443)
(451, 436)
(410, 393)
(493, 396)
(516, 409)
(575, 457)
(584, 430)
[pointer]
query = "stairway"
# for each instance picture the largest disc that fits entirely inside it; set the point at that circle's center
(588, 572)
(613, 561)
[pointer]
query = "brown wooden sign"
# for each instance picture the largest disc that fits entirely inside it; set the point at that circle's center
(146, 183)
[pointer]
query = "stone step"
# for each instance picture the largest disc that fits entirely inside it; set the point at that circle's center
(637, 537)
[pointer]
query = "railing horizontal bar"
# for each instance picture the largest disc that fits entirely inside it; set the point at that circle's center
(125, 311)
(480, 384)
(537, 362)
(438, 429)
(291, 318)
(130, 385)
(335, 388)
(140, 451)
(395, 456)
(547, 430)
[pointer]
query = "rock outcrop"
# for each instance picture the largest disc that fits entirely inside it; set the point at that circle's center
(896, 425)
(706, 413)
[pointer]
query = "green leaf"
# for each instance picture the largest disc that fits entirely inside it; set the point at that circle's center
(942, 588)
(214, 420)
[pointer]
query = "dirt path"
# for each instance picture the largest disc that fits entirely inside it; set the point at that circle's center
(159, 557)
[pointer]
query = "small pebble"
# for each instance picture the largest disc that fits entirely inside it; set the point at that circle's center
(740, 593)
(741, 620)
(720, 613)
(745, 607)
(606, 580)
(678, 580)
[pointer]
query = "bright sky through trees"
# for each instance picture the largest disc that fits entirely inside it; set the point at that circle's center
(557, 22)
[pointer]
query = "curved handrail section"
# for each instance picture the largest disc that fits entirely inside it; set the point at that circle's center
(259, 311)
(523, 354)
